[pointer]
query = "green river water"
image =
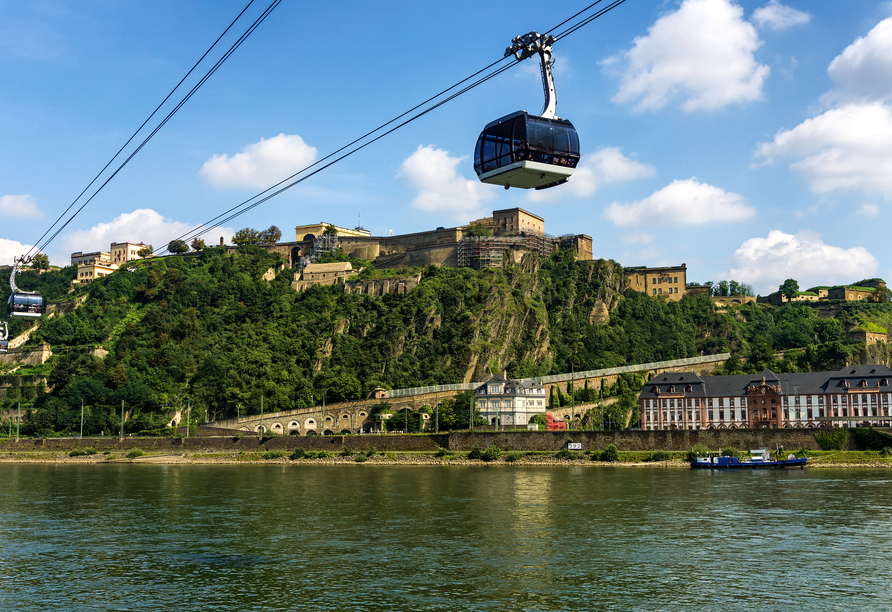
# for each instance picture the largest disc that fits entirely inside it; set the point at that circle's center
(298, 537)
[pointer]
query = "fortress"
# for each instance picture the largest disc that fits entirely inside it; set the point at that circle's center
(514, 232)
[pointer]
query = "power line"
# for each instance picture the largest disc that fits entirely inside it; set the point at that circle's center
(40, 247)
(250, 203)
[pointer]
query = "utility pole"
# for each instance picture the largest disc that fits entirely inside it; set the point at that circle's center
(260, 429)
(82, 419)
(188, 417)
(122, 419)
(437, 414)
(18, 422)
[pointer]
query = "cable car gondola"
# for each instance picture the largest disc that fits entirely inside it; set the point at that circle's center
(529, 151)
(24, 304)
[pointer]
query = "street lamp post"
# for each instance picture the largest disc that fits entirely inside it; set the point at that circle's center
(82, 419)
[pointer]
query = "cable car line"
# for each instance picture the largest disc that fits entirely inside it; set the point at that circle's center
(247, 205)
(216, 221)
(42, 246)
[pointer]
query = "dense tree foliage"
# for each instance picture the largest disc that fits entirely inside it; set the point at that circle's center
(208, 330)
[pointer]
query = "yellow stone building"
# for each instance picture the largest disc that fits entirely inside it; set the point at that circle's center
(669, 282)
(303, 233)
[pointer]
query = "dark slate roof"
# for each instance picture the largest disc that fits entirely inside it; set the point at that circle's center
(802, 383)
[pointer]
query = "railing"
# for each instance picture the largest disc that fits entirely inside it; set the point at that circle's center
(658, 365)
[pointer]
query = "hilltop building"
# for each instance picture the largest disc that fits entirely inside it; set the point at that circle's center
(510, 402)
(91, 266)
(852, 396)
(670, 282)
(862, 290)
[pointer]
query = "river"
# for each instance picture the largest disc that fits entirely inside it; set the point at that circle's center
(403, 538)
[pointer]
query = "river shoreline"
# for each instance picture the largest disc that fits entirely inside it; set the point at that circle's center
(385, 460)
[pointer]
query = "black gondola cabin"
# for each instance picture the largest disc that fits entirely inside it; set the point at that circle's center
(28, 305)
(526, 151)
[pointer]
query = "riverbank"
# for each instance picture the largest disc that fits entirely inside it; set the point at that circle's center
(825, 459)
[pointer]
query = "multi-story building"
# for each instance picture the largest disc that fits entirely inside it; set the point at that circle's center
(683, 400)
(303, 233)
(669, 282)
(122, 252)
(88, 272)
(89, 258)
(510, 402)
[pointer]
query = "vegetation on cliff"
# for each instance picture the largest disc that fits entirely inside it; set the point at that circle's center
(207, 330)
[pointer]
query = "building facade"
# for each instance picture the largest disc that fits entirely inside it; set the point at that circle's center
(122, 252)
(669, 282)
(327, 272)
(510, 402)
(853, 396)
(89, 258)
(304, 233)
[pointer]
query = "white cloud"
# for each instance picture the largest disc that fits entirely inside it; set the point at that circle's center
(441, 189)
(844, 148)
(142, 225)
(702, 55)
(863, 71)
(261, 164)
(687, 202)
(10, 249)
(870, 210)
(604, 166)
(776, 16)
(19, 206)
(767, 262)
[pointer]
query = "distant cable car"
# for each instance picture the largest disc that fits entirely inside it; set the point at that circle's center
(24, 304)
(4, 335)
(523, 150)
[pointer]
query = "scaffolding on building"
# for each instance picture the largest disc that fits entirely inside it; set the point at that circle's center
(482, 252)
(326, 243)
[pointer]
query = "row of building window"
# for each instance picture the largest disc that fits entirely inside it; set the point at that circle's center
(668, 290)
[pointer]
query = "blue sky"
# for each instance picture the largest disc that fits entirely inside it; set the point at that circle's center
(750, 140)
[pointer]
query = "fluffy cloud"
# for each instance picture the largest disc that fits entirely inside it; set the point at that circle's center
(776, 16)
(441, 189)
(19, 206)
(766, 262)
(142, 225)
(863, 71)
(607, 165)
(843, 148)
(869, 210)
(702, 55)
(261, 164)
(9, 249)
(685, 202)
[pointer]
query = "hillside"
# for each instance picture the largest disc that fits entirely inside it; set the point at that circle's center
(210, 330)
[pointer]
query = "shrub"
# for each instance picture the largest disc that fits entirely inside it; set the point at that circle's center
(730, 452)
(659, 455)
(347, 452)
(82, 451)
(299, 453)
(565, 453)
(514, 456)
(835, 439)
(360, 458)
(492, 453)
(886, 451)
(476, 453)
(134, 453)
(596, 455)
(323, 455)
(697, 450)
(311, 454)
(274, 454)
(610, 453)
(238, 436)
(442, 452)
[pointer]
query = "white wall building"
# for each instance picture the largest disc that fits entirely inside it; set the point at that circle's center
(510, 402)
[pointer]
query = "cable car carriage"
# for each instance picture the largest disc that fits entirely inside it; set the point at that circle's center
(23, 304)
(524, 150)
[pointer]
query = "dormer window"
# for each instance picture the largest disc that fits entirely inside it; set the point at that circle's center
(884, 382)
(688, 389)
(863, 383)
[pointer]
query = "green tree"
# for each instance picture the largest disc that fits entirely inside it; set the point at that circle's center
(198, 244)
(330, 230)
(789, 288)
(40, 262)
(477, 229)
(246, 235)
(270, 235)
(177, 246)
(145, 251)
